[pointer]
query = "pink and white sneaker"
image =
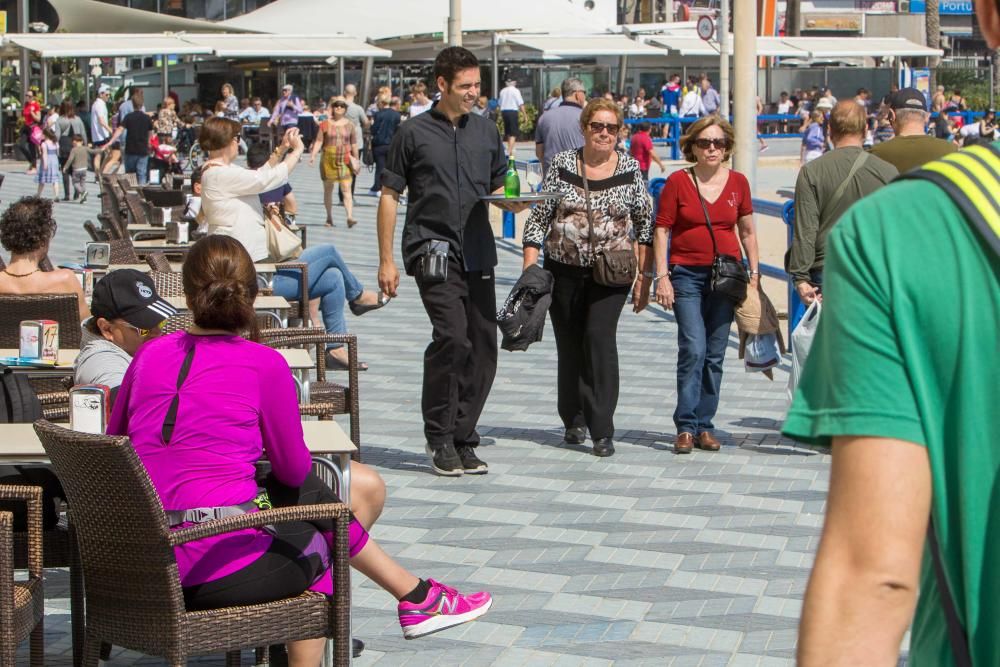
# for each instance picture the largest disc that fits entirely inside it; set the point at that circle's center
(444, 608)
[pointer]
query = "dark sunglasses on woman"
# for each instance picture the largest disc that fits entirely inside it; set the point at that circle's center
(704, 144)
(597, 128)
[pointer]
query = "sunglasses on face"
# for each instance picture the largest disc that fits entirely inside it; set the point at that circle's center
(597, 128)
(705, 144)
(146, 333)
(339, 105)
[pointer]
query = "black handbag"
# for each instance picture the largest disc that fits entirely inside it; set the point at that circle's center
(729, 276)
(611, 268)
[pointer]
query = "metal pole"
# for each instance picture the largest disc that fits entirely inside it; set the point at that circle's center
(723, 33)
(495, 90)
(164, 78)
(993, 79)
(745, 56)
(22, 26)
(454, 22)
(45, 81)
(84, 65)
(366, 78)
(622, 67)
(341, 74)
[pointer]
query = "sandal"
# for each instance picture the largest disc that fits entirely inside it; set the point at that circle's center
(335, 364)
(360, 309)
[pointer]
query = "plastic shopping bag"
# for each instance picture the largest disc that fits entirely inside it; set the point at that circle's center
(802, 339)
(761, 353)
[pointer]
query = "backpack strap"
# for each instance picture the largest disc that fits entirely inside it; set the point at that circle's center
(971, 177)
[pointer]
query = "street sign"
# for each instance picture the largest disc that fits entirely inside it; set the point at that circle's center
(706, 27)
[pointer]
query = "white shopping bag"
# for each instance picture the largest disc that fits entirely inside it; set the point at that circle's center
(761, 353)
(802, 339)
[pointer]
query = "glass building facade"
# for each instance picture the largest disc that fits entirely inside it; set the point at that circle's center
(212, 10)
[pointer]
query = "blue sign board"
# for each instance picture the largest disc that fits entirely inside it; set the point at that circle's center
(945, 7)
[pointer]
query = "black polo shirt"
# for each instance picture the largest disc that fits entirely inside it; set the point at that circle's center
(445, 170)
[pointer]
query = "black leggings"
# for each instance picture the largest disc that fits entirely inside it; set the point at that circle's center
(291, 564)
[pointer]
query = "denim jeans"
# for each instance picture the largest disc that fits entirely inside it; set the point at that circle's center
(380, 153)
(138, 165)
(703, 323)
(330, 281)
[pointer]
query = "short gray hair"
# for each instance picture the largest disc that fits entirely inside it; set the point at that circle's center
(571, 85)
(906, 116)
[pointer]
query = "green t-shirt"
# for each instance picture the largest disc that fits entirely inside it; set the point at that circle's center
(907, 347)
(912, 151)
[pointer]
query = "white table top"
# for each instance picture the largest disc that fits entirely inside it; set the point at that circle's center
(298, 359)
(261, 303)
(176, 266)
(160, 244)
(20, 443)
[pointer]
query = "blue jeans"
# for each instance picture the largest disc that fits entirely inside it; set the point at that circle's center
(330, 281)
(138, 165)
(703, 323)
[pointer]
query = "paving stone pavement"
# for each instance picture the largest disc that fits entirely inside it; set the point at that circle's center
(646, 558)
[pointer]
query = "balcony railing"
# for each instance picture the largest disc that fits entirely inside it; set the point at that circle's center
(888, 6)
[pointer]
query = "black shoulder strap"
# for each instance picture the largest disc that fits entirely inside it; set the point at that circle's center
(171, 419)
(971, 177)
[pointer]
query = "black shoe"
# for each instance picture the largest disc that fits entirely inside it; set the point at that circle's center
(444, 460)
(471, 464)
(604, 447)
(575, 435)
(360, 309)
(357, 647)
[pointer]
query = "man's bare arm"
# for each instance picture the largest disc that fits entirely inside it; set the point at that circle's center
(388, 274)
(863, 588)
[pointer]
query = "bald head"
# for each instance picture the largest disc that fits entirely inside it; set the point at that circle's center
(350, 91)
(848, 119)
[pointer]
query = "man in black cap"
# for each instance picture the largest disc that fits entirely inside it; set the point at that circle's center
(912, 147)
(126, 312)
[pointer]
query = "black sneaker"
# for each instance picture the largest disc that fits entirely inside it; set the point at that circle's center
(444, 460)
(471, 464)
(575, 435)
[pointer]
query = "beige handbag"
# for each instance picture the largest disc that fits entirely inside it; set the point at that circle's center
(282, 243)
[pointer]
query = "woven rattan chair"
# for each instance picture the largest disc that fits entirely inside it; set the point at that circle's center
(325, 398)
(63, 308)
(116, 211)
(99, 235)
(158, 262)
(123, 252)
(136, 211)
(134, 596)
(21, 602)
(300, 305)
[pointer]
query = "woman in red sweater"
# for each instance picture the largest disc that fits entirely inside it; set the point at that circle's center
(703, 316)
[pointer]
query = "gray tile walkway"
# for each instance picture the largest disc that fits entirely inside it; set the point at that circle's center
(642, 559)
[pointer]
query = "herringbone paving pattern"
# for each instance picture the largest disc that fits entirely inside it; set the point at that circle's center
(646, 558)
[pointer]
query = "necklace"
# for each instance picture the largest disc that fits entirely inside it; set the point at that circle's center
(21, 275)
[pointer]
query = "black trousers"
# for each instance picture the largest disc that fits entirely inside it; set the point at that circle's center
(585, 320)
(461, 360)
(380, 153)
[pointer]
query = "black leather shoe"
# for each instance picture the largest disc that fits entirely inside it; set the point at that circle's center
(575, 435)
(357, 647)
(604, 447)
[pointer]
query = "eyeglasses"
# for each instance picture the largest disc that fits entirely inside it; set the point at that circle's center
(339, 105)
(705, 144)
(597, 128)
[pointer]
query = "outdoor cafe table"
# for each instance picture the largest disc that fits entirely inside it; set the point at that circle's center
(275, 306)
(141, 230)
(298, 361)
(146, 246)
(265, 270)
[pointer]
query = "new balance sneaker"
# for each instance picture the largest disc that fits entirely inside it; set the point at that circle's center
(444, 460)
(471, 464)
(444, 608)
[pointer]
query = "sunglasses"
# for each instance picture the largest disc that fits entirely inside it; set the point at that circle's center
(705, 144)
(597, 128)
(339, 105)
(145, 333)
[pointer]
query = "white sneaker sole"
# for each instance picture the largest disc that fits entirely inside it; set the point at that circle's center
(439, 623)
(458, 472)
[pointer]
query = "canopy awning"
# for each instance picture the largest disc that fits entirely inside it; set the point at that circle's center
(576, 46)
(806, 48)
(91, 16)
(286, 46)
(90, 45)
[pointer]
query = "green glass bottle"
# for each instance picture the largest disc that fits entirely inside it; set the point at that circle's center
(511, 182)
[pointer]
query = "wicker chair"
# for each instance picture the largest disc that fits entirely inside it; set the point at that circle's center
(136, 211)
(326, 398)
(134, 596)
(22, 607)
(158, 262)
(98, 235)
(123, 252)
(117, 214)
(300, 306)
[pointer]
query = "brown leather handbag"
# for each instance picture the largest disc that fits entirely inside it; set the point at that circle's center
(611, 268)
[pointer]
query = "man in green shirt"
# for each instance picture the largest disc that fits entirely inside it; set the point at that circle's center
(902, 381)
(912, 146)
(826, 187)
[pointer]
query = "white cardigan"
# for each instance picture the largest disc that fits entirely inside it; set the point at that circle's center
(230, 201)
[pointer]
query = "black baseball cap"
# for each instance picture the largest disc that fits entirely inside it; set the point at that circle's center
(127, 294)
(908, 98)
